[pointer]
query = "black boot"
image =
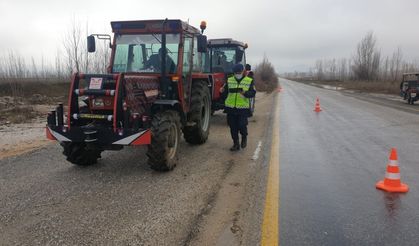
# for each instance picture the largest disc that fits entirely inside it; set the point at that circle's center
(244, 142)
(236, 146)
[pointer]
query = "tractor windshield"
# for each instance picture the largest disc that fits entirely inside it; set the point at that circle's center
(224, 58)
(141, 53)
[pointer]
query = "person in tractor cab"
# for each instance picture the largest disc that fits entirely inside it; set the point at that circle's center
(249, 71)
(154, 62)
(238, 90)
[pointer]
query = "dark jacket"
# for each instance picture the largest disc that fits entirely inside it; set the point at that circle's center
(155, 62)
(249, 94)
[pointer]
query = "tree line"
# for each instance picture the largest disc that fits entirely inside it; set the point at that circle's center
(367, 64)
(71, 56)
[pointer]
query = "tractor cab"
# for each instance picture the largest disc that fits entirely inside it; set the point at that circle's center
(224, 53)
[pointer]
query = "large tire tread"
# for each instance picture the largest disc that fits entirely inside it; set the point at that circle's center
(195, 134)
(156, 153)
(80, 154)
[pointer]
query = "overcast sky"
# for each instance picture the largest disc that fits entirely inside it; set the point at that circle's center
(292, 33)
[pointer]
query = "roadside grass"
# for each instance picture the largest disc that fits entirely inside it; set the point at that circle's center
(387, 87)
(18, 114)
(27, 87)
(384, 87)
(18, 97)
(266, 78)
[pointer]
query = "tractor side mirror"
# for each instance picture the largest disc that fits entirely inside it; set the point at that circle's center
(239, 55)
(91, 44)
(202, 43)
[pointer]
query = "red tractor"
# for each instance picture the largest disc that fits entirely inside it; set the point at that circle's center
(224, 54)
(158, 85)
(409, 87)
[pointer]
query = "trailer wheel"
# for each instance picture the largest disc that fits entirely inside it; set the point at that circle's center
(199, 115)
(409, 99)
(165, 138)
(81, 154)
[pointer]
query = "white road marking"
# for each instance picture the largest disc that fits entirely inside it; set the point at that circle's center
(257, 151)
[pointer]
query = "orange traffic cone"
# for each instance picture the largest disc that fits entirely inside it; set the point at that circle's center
(391, 182)
(317, 107)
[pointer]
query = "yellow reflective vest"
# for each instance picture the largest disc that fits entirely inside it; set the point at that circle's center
(234, 98)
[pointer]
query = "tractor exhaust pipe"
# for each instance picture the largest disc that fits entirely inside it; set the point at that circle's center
(52, 118)
(164, 83)
(60, 114)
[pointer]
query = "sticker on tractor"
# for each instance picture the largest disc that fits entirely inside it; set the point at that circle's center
(151, 93)
(95, 83)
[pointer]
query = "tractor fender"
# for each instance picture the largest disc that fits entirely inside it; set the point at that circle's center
(167, 104)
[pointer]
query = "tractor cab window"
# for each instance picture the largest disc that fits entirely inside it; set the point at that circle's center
(224, 58)
(200, 60)
(142, 53)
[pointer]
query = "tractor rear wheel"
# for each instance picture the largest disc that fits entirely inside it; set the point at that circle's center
(81, 154)
(199, 115)
(165, 138)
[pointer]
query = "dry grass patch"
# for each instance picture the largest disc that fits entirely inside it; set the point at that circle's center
(388, 87)
(27, 87)
(265, 76)
(385, 87)
(18, 114)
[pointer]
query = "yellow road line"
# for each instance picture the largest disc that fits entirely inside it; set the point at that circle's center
(270, 227)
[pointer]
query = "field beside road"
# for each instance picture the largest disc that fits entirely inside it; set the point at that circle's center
(381, 87)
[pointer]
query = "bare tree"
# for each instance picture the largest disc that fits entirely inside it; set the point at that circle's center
(342, 69)
(77, 57)
(395, 64)
(34, 69)
(350, 75)
(73, 47)
(332, 69)
(100, 59)
(367, 58)
(58, 65)
(16, 66)
(319, 69)
(15, 70)
(2, 68)
(375, 66)
(384, 70)
(266, 76)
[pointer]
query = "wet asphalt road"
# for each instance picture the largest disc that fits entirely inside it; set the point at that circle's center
(330, 162)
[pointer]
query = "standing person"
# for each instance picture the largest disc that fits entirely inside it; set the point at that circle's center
(237, 91)
(155, 61)
(249, 71)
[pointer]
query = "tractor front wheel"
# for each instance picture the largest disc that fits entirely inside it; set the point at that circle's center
(80, 153)
(165, 138)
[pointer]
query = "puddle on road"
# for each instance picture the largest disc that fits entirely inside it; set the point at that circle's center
(392, 204)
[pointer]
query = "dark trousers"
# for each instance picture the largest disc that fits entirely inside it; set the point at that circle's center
(237, 123)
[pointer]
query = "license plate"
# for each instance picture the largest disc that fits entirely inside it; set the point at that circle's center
(412, 94)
